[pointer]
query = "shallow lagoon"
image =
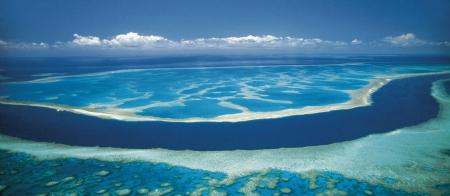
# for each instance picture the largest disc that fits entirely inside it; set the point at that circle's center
(165, 94)
(206, 108)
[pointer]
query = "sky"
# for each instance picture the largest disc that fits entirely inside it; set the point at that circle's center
(54, 27)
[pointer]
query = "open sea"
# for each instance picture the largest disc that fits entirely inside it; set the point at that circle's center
(229, 104)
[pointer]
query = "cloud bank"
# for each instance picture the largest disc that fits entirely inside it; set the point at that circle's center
(124, 40)
(408, 40)
(12, 45)
(134, 41)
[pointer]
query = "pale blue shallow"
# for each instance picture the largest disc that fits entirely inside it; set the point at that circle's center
(196, 92)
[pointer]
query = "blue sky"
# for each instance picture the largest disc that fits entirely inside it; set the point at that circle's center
(146, 27)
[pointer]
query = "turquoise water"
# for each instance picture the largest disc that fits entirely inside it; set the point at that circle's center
(197, 92)
(259, 105)
(25, 176)
(390, 180)
(204, 108)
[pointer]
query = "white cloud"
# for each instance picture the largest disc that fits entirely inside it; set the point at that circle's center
(24, 46)
(312, 43)
(408, 39)
(135, 41)
(267, 41)
(300, 42)
(58, 44)
(356, 41)
(251, 40)
(44, 45)
(86, 41)
(32, 45)
(129, 40)
(233, 42)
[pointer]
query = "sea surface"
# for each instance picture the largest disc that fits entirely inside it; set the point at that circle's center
(208, 103)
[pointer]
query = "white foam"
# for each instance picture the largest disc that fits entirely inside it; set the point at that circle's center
(47, 74)
(51, 98)
(232, 105)
(291, 91)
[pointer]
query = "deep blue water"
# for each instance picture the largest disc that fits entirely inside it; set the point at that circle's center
(22, 69)
(401, 103)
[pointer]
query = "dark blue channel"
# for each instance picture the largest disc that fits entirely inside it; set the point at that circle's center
(400, 103)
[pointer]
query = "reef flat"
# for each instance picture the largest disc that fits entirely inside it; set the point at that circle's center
(412, 159)
(219, 94)
(85, 177)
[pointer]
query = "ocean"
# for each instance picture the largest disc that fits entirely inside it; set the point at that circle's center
(224, 124)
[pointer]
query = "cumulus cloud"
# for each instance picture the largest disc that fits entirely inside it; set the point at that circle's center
(356, 41)
(86, 41)
(130, 39)
(41, 45)
(266, 41)
(248, 41)
(408, 39)
(312, 43)
(135, 41)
